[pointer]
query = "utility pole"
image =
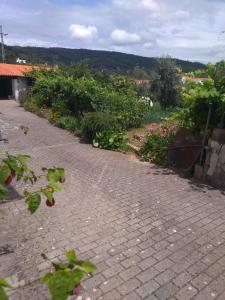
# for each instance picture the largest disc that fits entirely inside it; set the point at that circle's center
(2, 34)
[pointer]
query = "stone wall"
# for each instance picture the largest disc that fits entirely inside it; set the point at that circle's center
(213, 170)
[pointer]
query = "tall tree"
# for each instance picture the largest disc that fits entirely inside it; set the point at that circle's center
(166, 87)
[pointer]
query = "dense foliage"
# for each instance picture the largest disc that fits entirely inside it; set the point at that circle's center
(96, 122)
(199, 98)
(85, 102)
(166, 87)
(156, 144)
(111, 140)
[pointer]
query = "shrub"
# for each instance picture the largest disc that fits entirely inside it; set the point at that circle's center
(30, 104)
(155, 148)
(95, 122)
(197, 99)
(75, 91)
(156, 114)
(110, 140)
(128, 109)
(70, 123)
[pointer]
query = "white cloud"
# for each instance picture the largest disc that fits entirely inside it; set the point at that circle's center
(182, 13)
(31, 42)
(122, 37)
(181, 28)
(83, 32)
(150, 5)
(148, 45)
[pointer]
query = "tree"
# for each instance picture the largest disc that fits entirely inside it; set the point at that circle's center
(166, 87)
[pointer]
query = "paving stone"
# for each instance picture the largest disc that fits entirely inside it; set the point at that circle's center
(128, 286)
(182, 279)
(166, 291)
(146, 263)
(112, 271)
(163, 265)
(148, 274)
(110, 284)
(206, 294)
(148, 288)
(129, 273)
(165, 276)
(151, 233)
(131, 296)
(111, 295)
(186, 293)
(201, 281)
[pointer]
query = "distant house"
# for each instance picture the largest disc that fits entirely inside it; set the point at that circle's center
(14, 81)
(144, 82)
(20, 61)
(194, 79)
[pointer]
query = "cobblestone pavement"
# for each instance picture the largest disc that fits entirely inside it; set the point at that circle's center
(152, 234)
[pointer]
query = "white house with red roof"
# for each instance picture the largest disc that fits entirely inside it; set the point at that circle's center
(14, 81)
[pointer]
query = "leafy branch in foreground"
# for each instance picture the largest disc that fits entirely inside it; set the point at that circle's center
(66, 277)
(4, 284)
(15, 166)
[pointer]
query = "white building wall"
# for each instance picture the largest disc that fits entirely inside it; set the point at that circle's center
(19, 87)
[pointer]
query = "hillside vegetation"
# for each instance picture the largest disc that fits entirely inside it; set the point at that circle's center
(99, 60)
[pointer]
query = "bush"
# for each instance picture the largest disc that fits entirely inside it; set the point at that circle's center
(107, 104)
(30, 104)
(156, 114)
(96, 122)
(197, 99)
(70, 123)
(110, 140)
(128, 109)
(155, 148)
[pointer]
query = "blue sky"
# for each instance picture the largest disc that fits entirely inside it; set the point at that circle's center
(186, 29)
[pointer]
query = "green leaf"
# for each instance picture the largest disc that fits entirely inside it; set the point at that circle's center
(48, 194)
(61, 282)
(3, 191)
(55, 174)
(23, 158)
(87, 267)
(3, 295)
(71, 255)
(33, 201)
(4, 172)
(55, 185)
(4, 283)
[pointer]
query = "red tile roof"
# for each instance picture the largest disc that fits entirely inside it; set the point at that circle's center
(15, 70)
(195, 79)
(142, 81)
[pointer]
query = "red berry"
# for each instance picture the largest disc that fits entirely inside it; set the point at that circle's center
(8, 180)
(50, 203)
(13, 173)
(77, 289)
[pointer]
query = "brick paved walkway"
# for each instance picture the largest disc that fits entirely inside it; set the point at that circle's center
(152, 234)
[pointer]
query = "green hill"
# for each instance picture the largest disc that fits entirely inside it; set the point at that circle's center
(101, 60)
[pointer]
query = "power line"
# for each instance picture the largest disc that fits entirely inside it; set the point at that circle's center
(2, 34)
